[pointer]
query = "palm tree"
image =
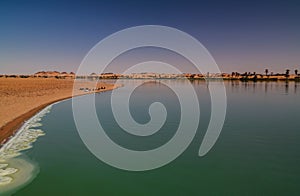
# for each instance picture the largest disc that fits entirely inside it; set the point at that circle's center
(266, 71)
(255, 76)
(287, 73)
(296, 72)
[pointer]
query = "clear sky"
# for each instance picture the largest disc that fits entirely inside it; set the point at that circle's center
(241, 35)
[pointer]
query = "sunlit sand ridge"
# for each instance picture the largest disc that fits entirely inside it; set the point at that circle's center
(21, 98)
(15, 169)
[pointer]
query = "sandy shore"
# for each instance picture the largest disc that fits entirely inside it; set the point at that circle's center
(22, 98)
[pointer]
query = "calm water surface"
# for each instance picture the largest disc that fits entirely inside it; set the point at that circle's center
(257, 153)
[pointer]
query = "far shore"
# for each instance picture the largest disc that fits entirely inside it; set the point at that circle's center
(22, 98)
(247, 76)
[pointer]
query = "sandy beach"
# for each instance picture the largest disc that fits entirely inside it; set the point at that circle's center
(22, 98)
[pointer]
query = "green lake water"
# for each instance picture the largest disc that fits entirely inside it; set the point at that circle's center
(257, 153)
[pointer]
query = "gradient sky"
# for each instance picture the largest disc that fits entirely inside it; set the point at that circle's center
(240, 35)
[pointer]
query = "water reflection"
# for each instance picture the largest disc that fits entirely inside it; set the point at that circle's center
(277, 87)
(286, 87)
(234, 86)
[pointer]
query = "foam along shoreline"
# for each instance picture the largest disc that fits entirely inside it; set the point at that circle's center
(16, 171)
(11, 183)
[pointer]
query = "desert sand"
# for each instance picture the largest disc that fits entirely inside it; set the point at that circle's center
(21, 98)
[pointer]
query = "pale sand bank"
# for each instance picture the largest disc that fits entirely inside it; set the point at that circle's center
(21, 98)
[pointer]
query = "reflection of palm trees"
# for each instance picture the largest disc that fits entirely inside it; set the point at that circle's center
(286, 87)
(266, 87)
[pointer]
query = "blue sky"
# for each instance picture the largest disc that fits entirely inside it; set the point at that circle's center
(241, 35)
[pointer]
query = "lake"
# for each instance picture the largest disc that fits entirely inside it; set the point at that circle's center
(257, 152)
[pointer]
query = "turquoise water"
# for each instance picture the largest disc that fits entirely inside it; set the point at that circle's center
(257, 153)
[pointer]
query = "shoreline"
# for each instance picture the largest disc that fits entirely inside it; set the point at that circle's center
(10, 129)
